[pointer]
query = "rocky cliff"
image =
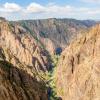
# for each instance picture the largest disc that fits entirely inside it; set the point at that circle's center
(54, 33)
(20, 45)
(22, 64)
(17, 84)
(78, 72)
(25, 48)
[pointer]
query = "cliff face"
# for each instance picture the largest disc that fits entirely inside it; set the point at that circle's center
(55, 33)
(21, 47)
(22, 64)
(78, 72)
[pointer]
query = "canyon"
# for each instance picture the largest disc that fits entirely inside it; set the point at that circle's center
(39, 55)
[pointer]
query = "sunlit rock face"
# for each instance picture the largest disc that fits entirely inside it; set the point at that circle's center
(21, 47)
(22, 64)
(78, 72)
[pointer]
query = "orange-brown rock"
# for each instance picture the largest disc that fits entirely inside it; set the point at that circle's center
(17, 44)
(22, 64)
(78, 72)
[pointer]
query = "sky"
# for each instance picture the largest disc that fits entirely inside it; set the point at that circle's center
(42, 9)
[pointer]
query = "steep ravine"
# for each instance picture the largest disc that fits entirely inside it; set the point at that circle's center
(24, 65)
(29, 72)
(51, 83)
(54, 33)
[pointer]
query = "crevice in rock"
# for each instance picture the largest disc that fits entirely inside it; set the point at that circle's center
(72, 64)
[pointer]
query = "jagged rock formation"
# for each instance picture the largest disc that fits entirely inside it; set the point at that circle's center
(54, 33)
(78, 72)
(22, 64)
(20, 45)
(17, 84)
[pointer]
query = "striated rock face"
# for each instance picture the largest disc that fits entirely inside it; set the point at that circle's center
(22, 64)
(54, 33)
(21, 47)
(78, 72)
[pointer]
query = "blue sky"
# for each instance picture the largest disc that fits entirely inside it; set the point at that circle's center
(41, 9)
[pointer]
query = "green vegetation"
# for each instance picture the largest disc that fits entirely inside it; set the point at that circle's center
(5, 65)
(51, 77)
(42, 34)
(10, 26)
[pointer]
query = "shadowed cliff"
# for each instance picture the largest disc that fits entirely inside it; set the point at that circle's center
(17, 84)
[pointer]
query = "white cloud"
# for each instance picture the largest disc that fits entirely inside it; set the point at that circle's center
(10, 7)
(35, 8)
(91, 1)
(58, 10)
(50, 10)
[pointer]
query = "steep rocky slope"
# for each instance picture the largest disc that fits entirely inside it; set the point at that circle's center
(78, 72)
(21, 46)
(54, 33)
(17, 84)
(22, 64)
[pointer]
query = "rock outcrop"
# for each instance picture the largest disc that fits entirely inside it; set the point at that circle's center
(20, 46)
(22, 64)
(78, 72)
